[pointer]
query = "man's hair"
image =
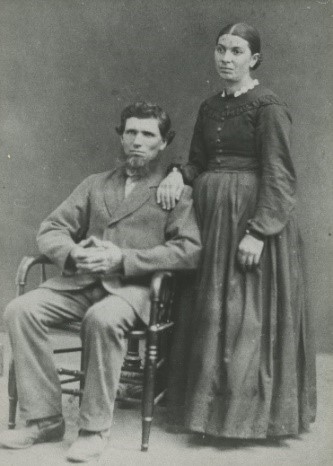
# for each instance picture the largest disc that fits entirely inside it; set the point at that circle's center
(147, 110)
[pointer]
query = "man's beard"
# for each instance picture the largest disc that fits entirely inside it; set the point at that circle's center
(137, 166)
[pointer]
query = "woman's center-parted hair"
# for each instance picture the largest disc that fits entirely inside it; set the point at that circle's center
(144, 110)
(246, 32)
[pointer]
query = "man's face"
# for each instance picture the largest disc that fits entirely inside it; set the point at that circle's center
(142, 141)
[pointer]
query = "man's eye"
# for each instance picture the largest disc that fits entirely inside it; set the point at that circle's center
(131, 132)
(148, 135)
(237, 51)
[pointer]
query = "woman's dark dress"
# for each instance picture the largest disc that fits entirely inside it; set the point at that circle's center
(250, 367)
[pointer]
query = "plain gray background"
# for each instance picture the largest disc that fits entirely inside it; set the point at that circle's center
(68, 67)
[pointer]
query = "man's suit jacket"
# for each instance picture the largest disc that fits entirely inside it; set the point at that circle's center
(150, 238)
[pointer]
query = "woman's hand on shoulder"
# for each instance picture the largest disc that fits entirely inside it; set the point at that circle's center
(249, 251)
(170, 190)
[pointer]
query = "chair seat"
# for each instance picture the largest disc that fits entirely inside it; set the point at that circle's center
(74, 327)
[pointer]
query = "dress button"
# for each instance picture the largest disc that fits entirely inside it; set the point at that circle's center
(218, 140)
(219, 128)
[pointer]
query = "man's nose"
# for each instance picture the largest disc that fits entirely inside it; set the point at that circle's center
(137, 140)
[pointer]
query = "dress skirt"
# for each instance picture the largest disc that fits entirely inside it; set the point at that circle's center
(243, 357)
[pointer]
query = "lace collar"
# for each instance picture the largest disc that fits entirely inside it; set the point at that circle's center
(242, 90)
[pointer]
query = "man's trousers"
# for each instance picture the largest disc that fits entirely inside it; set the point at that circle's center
(105, 321)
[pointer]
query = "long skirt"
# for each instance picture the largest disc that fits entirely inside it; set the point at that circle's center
(243, 362)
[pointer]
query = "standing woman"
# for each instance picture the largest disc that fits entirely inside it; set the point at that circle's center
(251, 369)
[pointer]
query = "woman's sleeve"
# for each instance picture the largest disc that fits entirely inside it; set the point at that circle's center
(278, 179)
(197, 159)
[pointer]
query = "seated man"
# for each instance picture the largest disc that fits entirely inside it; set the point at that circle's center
(107, 238)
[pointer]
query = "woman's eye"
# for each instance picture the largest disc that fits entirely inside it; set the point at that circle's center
(237, 52)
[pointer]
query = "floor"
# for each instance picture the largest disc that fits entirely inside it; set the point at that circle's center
(171, 448)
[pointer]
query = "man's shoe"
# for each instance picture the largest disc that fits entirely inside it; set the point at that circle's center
(87, 446)
(50, 429)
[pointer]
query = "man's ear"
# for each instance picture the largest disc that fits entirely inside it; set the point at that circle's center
(164, 144)
(171, 134)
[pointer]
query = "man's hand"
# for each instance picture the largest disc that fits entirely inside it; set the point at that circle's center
(170, 190)
(249, 252)
(93, 255)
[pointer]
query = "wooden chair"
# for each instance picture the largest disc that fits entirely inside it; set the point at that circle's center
(147, 379)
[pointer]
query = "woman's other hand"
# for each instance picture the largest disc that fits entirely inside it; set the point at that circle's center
(170, 190)
(249, 251)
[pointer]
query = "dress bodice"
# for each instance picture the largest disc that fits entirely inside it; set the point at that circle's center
(254, 126)
(229, 125)
(234, 126)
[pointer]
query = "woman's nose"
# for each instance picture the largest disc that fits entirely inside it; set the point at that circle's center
(227, 56)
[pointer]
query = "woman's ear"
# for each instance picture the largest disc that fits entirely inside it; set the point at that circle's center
(255, 60)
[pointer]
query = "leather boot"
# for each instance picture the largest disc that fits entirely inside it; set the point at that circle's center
(87, 446)
(49, 429)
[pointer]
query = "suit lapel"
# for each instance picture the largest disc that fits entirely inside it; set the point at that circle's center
(114, 191)
(139, 196)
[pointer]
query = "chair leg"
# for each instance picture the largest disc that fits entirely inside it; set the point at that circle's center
(82, 377)
(12, 394)
(149, 388)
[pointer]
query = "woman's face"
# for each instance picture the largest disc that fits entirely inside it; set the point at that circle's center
(233, 58)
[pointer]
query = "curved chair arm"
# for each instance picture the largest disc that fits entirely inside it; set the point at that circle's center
(162, 287)
(23, 269)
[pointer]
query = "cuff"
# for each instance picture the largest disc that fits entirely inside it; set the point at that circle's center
(175, 167)
(255, 234)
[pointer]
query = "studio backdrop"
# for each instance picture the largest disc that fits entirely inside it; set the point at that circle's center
(67, 68)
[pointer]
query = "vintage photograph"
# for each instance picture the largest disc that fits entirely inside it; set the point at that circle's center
(166, 232)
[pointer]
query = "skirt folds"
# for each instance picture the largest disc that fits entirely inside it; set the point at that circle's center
(243, 359)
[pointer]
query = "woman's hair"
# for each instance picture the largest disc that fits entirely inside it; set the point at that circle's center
(246, 32)
(147, 110)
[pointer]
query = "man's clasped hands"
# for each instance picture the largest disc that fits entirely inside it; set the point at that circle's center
(93, 255)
